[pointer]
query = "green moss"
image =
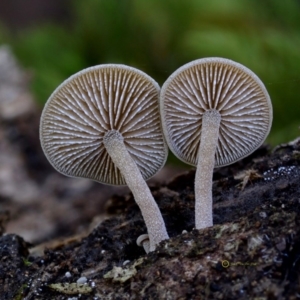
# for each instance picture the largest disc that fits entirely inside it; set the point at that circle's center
(19, 295)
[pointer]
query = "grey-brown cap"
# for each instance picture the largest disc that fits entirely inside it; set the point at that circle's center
(215, 84)
(92, 102)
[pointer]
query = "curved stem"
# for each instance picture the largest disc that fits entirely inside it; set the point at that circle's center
(206, 161)
(114, 144)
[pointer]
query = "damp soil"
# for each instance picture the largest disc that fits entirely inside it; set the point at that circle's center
(252, 251)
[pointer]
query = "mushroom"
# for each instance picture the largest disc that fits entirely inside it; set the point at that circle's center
(214, 112)
(143, 241)
(103, 123)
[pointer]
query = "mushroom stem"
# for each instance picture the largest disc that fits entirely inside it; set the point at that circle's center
(206, 161)
(114, 144)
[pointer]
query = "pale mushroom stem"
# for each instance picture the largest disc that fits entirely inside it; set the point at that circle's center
(206, 161)
(114, 144)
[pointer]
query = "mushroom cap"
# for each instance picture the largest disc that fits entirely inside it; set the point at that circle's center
(215, 84)
(89, 104)
(142, 238)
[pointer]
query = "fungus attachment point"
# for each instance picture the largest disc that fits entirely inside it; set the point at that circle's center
(214, 112)
(103, 123)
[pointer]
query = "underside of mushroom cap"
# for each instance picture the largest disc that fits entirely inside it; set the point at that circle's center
(215, 84)
(93, 102)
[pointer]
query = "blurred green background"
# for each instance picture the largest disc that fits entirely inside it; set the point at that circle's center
(158, 36)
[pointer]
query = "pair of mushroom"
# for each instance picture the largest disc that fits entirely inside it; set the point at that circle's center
(103, 123)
